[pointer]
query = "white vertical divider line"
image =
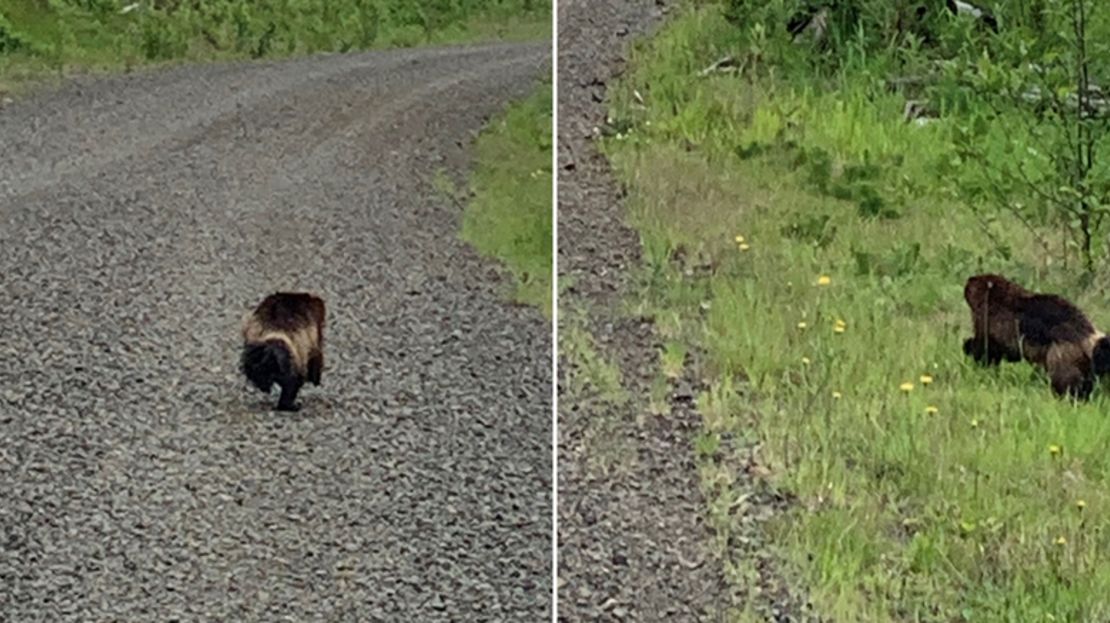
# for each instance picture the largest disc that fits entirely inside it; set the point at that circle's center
(555, 311)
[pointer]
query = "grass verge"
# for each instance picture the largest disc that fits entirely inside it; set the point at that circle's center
(509, 216)
(808, 241)
(41, 39)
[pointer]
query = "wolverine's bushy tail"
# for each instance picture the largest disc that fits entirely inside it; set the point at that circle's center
(266, 363)
(1100, 356)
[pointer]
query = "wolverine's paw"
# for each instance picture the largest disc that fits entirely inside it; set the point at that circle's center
(292, 408)
(972, 348)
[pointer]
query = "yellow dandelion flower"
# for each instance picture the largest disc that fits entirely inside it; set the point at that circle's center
(926, 379)
(838, 329)
(836, 395)
(931, 410)
(824, 280)
(739, 239)
(1054, 450)
(974, 423)
(744, 246)
(802, 325)
(906, 387)
(805, 360)
(1081, 504)
(1060, 540)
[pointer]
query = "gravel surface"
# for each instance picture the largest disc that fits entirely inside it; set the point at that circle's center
(141, 480)
(634, 544)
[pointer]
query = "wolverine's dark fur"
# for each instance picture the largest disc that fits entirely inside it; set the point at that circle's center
(283, 344)
(1012, 323)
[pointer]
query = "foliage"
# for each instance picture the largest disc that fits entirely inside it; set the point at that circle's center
(105, 33)
(1014, 80)
(942, 502)
(1049, 171)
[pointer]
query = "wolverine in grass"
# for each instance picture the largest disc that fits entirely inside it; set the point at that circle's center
(1012, 323)
(283, 343)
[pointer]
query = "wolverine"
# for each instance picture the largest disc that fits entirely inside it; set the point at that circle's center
(283, 344)
(1011, 323)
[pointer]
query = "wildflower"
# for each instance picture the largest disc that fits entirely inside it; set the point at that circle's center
(836, 395)
(1060, 540)
(805, 360)
(739, 239)
(926, 379)
(1081, 504)
(802, 325)
(1054, 450)
(824, 280)
(744, 246)
(974, 423)
(931, 410)
(906, 387)
(839, 328)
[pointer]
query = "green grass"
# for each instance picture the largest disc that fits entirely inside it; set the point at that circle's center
(942, 503)
(510, 214)
(39, 39)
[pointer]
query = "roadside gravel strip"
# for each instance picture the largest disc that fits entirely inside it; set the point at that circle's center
(140, 480)
(633, 545)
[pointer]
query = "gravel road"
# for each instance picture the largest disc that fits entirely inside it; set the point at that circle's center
(141, 480)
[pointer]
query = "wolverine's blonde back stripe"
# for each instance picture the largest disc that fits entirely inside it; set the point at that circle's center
(302, 342)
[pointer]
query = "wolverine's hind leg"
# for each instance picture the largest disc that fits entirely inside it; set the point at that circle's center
(1071, 380)
(289, 389)
(315, 368)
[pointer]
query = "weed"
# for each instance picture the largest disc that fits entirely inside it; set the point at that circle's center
(594, 384)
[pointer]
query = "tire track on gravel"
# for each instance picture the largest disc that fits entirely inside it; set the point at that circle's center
(140, 216)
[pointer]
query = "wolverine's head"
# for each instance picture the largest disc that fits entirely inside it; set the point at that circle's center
(990, 287)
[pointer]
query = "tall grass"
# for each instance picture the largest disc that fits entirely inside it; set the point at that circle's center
(37, 35)
(832, 319)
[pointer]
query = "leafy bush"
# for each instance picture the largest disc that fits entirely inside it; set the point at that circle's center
(9, 41)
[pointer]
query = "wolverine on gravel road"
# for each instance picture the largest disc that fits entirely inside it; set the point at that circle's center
(283, 343)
